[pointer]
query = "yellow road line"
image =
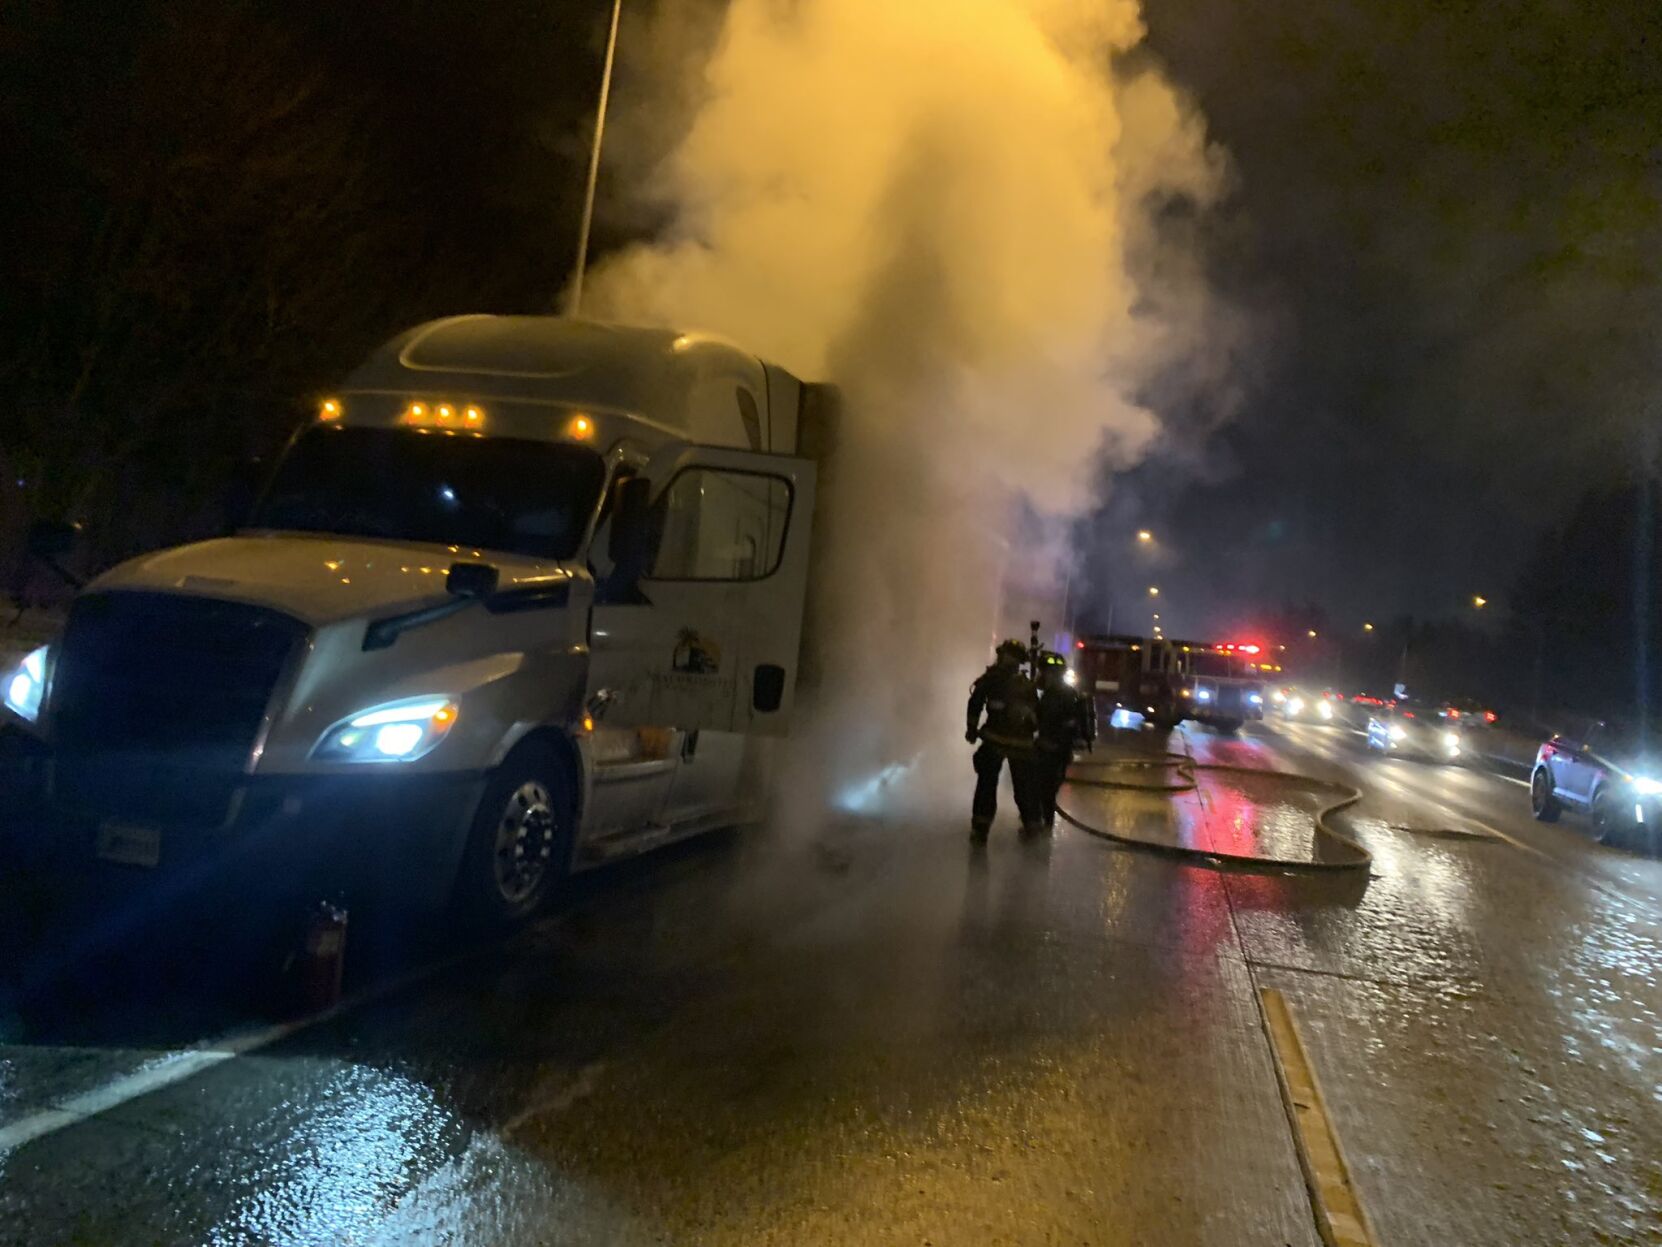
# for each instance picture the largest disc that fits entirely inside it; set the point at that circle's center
(1340, 1218)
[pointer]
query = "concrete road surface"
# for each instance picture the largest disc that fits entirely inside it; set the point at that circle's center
(884, 1037)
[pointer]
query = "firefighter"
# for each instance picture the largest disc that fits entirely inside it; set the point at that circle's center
(1066, 717)
(1011, 703)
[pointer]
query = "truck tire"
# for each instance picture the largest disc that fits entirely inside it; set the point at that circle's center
(1227, 727)
(519, 847)
(1542, 803)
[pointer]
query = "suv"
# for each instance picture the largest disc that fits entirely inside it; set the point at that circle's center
(1603, 768)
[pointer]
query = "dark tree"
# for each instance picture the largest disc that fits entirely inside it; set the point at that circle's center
(218, 206)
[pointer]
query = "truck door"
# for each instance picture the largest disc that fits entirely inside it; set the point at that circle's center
(706, 635)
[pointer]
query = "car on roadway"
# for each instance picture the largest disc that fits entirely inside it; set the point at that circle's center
(1607, 770)
(1414, 729)
(1468, 712)
(1304, 705)
(1360, 706)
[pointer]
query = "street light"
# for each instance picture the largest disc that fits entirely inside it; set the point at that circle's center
(1154, 591)
(1311, 634)
(1367, 627)
(574, 300)
(1144, 536)
(1479, 601)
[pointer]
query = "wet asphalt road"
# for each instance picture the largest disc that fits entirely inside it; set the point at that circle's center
(880, 1036)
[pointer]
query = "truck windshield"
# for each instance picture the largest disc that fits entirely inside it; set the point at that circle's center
(1216, 666)
(504, 494)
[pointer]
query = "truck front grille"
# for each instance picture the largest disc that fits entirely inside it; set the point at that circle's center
(157, 701)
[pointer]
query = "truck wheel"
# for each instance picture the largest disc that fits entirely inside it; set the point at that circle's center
(519, 848)
(1542, 803)
(1227, 727)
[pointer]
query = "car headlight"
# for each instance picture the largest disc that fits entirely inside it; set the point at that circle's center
(1324, 710)
(1203, 694)
(1278, 697)
(26, 685)
(1295, 705)
(1398, 732)
(397, 731)
(1070, 676)
(1645, 786)
(1256, 699)
(1451, 739)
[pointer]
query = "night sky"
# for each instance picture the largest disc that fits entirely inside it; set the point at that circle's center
(1439, 256)
(1444, 243)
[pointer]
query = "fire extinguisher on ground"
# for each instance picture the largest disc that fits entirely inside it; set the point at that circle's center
(322, 958)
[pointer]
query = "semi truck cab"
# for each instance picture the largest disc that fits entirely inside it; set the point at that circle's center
(525, 595)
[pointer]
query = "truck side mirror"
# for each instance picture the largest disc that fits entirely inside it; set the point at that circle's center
(471, 580)
(633, 542)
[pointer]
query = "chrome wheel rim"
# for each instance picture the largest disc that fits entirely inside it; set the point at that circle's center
(525, 835)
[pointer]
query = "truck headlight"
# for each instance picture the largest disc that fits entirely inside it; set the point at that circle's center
(1398, 732)
(1645, 786)
(1203, 694)
(26, 685)
(1324, 710)
(1295, 705)
(1070, 677)
(1256, 699)
(397, 731)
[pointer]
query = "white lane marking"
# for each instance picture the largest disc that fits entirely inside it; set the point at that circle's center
(176, 1067)
(1512, 840)
(580, 1087)
(164, 1072)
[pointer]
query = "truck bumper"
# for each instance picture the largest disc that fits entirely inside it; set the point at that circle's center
(285, 839)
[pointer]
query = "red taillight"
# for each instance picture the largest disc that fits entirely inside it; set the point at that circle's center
(1079, 645)
(1489, 716)
(1408, 714)
(1453, 713)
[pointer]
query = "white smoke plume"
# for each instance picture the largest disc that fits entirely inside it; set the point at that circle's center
(939, 205)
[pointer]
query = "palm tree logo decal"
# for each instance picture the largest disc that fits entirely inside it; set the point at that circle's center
(695, 654)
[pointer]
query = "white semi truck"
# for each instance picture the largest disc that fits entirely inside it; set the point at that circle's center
(525, 596)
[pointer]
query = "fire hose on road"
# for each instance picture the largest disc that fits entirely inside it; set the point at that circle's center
(1184, 771)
